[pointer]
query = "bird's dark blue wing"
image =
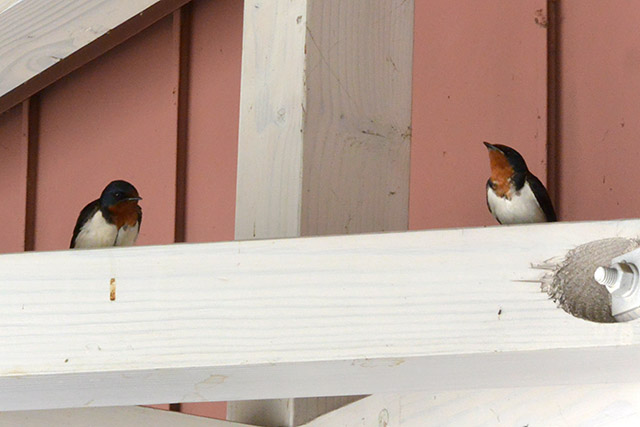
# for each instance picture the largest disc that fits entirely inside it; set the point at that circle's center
(85, 214)
(542, 197)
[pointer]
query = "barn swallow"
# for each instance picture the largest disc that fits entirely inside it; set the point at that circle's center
(112, 220)
(515, 195)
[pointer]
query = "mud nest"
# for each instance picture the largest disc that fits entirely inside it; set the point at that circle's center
(571, 284)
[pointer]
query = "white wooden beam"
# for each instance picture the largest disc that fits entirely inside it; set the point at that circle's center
(325, 117)
(586, 405)
(433, 310)
(42, 41)
(132, 416)
(33, 37)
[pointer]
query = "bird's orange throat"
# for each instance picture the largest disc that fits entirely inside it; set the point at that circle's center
(125, 213)
(501, 173)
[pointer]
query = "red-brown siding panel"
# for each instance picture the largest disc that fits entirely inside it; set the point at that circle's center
(206, 409)
(214, 97)
(112, 119)
(480, 71)
(599, 107)
(13, 179)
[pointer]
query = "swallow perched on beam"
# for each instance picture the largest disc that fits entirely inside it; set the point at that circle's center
(112, 220)
(515, 195)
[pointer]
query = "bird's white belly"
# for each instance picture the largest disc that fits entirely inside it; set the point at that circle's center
(127, 235)
(98, 233)
(521, 209)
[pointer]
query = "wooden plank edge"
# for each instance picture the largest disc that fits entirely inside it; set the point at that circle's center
(576, 366)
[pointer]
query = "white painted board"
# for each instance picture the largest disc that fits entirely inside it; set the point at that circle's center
(36, 34)
(602, 405)
(325, 117)
(431, 310)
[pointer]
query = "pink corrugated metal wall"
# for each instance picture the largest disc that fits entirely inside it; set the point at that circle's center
(214, 103)
(113, 118)
(599, 101)
(480, 73)
(13, 176)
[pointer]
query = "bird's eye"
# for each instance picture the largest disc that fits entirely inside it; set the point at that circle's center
(118, 195)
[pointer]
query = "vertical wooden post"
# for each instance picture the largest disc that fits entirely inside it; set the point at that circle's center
(324, 118)
(325, 127)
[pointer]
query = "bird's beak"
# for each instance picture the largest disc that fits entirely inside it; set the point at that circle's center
(492, 147)
(134, 198)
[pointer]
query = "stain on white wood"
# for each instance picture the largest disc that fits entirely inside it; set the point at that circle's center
(325, 117)
(133, 416)
(34, 36)
(339, 315)
(563, 406)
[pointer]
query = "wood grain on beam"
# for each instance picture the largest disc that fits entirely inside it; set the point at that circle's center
(300, 317)
(324, 118)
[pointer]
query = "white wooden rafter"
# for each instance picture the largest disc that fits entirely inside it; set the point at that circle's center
(33, 37)
(604, 405)
(433, 310)
(42, 41)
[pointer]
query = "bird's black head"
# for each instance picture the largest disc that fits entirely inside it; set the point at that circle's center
(117, 192)
(513, 158)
